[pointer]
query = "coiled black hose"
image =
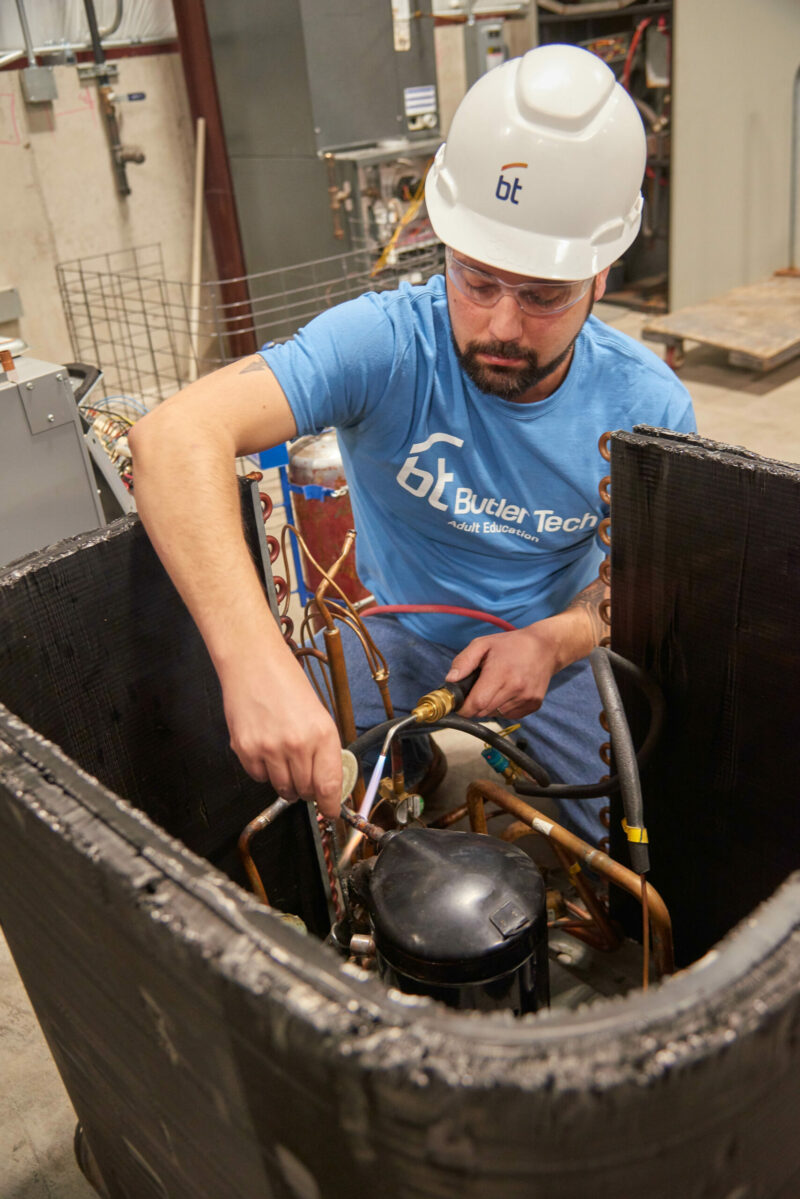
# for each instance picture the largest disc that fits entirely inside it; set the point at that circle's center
(626, 780)
(376, 735)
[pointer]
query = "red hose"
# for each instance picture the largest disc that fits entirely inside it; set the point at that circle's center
(637, 37)
(392, 609)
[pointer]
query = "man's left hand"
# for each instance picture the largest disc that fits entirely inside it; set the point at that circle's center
(515, 671)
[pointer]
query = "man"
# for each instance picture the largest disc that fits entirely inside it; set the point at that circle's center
(468, 413)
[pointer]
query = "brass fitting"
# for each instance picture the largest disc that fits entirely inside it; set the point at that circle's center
(434, 706)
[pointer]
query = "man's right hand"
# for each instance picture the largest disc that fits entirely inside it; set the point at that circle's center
(282, 733)
(278, 727)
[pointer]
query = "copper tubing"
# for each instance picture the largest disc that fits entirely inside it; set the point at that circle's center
(603, 487)
(372, 832)
(451, 817)
(398, 769)
(344, 707)
(328, 576)
(645, 931)
(595, 859)
(255, 826)
(341, 690)
(606, 937)
(516, 831)
(476, 794)
(342, 609)
(375, 659)
(330, 867)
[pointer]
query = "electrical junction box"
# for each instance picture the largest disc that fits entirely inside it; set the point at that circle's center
(10, 306)
(38, 85)
(484, 48)
(47, 486)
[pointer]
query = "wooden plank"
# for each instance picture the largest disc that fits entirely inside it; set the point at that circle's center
(758, 326)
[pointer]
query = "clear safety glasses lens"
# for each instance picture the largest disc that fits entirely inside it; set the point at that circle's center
(535, 298)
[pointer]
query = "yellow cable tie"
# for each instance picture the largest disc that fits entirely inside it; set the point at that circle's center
(635, 833)
(575, 868)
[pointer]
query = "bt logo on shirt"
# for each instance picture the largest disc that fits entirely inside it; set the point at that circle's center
(421, 482)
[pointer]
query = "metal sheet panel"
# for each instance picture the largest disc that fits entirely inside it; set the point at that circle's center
(47, 488)
(352, 72)
(262, 82)
(284, 211)
(357, 77)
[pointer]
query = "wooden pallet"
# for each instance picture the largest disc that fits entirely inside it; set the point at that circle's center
(758, 326)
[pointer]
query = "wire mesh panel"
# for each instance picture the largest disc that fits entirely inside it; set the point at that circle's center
(150, 336)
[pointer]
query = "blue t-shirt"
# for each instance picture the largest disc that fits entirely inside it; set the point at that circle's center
(460, 497)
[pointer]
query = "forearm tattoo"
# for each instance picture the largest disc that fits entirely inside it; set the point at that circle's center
(257, 364)
(589, 600)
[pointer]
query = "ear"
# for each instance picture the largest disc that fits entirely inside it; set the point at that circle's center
(600, 284)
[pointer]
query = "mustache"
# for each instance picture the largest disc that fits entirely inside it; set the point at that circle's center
(502, 349)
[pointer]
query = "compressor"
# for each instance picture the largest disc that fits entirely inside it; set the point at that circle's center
(459, 917)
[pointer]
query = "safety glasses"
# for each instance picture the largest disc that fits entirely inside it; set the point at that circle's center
(536, 297)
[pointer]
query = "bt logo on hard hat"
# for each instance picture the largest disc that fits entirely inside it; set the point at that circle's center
(506, 190)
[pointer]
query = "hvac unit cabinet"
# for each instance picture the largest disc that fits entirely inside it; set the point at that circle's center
(302, 79)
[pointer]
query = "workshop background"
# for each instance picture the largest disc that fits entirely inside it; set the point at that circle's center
(116, 256)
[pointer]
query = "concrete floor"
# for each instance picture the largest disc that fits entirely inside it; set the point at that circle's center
(760, 412)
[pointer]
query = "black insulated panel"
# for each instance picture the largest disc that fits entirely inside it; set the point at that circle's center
(706, 597)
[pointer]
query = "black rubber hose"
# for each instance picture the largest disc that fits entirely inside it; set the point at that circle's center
(461, 689)
(88, 376)
(624, 757)
(542, 785)
(376, 735)
(611, 786)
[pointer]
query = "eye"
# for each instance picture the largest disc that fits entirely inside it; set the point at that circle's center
(545, 298)
(480, 286)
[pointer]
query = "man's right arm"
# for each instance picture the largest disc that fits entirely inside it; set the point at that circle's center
(184, 455)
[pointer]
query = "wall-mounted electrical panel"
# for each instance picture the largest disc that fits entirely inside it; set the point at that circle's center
(484, 48)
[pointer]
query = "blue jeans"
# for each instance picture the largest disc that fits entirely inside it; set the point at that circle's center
(564, 735)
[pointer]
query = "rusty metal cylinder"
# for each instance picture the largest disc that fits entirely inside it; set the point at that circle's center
(322, 511)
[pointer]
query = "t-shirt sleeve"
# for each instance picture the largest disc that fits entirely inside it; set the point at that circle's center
(335, 371)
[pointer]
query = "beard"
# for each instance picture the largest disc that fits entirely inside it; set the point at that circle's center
(511, 382)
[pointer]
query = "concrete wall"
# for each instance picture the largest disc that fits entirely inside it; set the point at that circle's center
(734, 65)
(58, 198)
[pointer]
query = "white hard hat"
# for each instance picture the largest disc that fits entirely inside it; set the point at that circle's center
(541, 170)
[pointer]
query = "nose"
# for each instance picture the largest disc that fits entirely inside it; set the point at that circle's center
(506, 322)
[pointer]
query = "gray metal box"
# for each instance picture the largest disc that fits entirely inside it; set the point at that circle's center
(365, 90)
(47, 487)
(297, 79)
(305, 76)
(38, 85)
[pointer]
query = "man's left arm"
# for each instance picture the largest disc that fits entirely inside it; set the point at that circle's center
(516, 667)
